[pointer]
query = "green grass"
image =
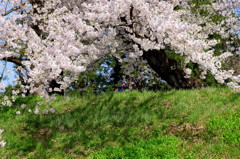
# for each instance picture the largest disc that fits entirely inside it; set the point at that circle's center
(176, 124)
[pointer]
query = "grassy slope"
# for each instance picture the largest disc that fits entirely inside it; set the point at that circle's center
(176, 124)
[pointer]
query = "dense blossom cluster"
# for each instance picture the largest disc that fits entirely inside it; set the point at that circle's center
(55, 37)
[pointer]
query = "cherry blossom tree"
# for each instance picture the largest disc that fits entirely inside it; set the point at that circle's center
(56, 40)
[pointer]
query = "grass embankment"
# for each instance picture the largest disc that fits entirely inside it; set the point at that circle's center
(175, 124)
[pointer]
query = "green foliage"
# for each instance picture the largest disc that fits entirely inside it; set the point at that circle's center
(97, 78)
(174, 56)
(209, 81)
(199, 9)
(175, 124)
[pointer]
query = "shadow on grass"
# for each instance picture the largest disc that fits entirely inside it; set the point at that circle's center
(97, 122)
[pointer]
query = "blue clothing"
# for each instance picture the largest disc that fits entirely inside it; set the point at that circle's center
(120, 88)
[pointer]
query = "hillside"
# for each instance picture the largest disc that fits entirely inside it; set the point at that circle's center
(176, 124)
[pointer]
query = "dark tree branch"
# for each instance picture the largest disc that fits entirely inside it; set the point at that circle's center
(14, 60)
(5, 65)
(13, 9)
(169, 70)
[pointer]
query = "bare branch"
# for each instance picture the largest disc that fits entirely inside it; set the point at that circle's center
(2, 74)
(16, 61)
(13, 9)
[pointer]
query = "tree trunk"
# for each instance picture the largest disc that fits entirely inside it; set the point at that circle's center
(53, 84)
(117, 75)
(169, 70)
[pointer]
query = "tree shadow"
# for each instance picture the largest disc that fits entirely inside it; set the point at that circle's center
(98, 122)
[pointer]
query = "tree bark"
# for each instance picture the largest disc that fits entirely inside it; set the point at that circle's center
(117, 73)
(53, 84)
(169, 70)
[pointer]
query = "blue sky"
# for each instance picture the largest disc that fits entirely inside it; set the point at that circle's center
(11, 77)
(9, 67)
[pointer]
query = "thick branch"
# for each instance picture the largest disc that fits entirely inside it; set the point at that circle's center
(14, 60)
(13, 9)
(169, 70)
